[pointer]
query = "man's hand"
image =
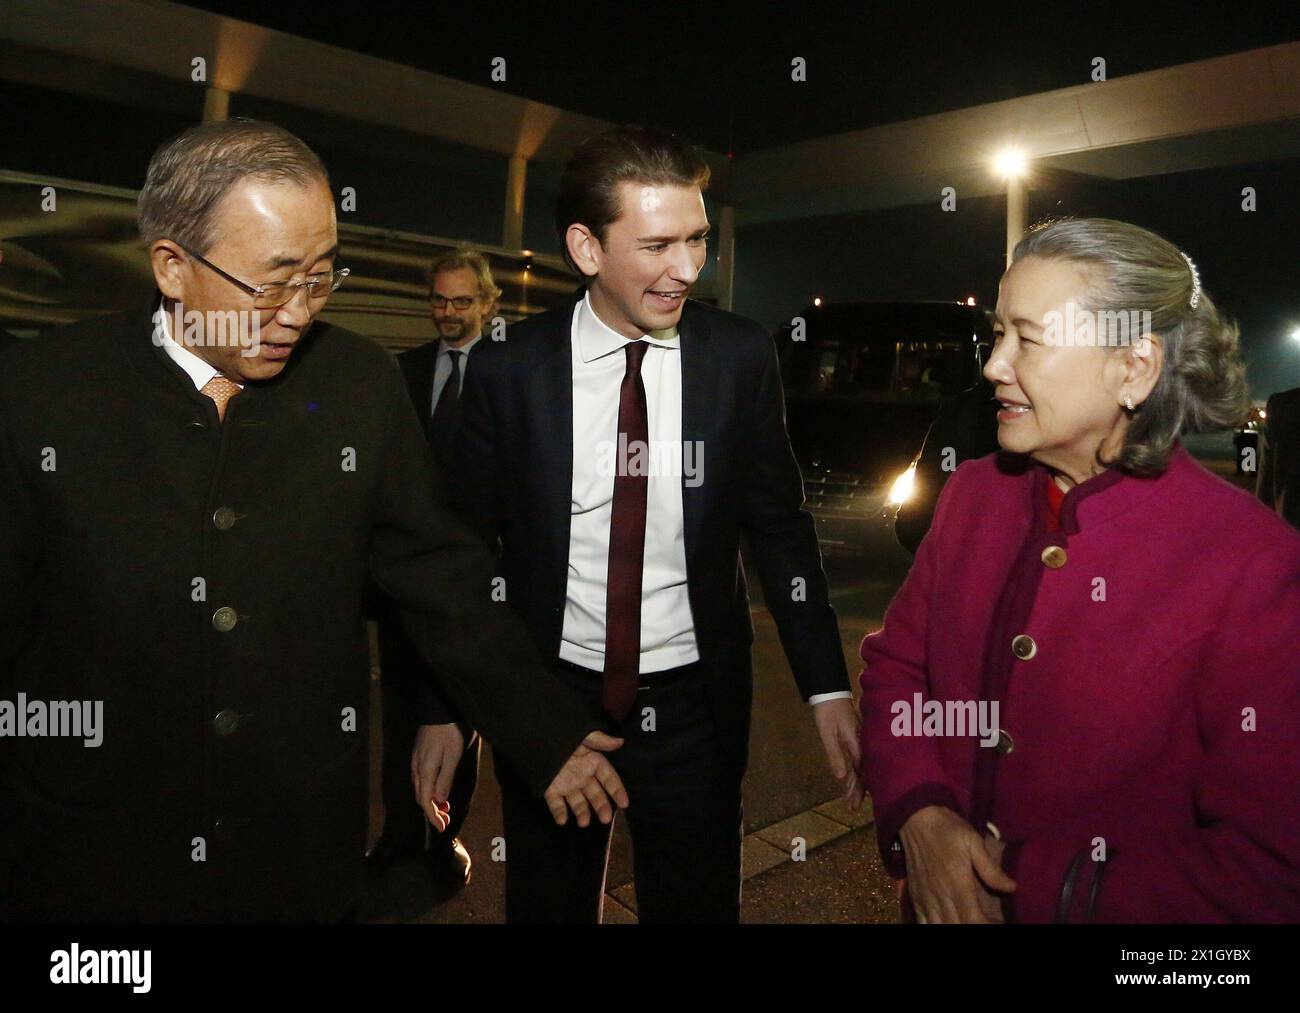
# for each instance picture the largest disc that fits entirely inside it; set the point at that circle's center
(587, 781)
(837, 723)
(437, 751)
(950, 870)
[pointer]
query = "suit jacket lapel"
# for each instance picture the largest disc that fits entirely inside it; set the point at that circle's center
(553, 387)
(419, 381)
(699, 393)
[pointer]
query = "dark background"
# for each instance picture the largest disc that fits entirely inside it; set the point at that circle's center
(721, 75)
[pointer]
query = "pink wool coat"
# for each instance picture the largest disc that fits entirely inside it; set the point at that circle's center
(1146, 664)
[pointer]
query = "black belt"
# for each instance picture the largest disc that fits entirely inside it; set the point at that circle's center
(647, 680)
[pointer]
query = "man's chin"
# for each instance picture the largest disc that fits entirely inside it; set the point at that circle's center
(663, 316)
(256, 368)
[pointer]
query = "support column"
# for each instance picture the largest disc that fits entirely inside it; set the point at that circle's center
(1017, 199)
(512, 231)
(216, 105)
(726, 255)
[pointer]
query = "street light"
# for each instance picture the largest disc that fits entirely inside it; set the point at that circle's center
(1012, 163)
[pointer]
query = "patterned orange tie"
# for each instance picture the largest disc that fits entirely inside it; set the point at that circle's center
(221, 391)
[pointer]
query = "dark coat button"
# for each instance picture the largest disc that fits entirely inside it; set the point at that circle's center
(224, 619)
(226, 722)
(223, 518)
(1005, 743)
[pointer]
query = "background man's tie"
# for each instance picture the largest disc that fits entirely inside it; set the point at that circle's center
(626, 547)
(221, 391)
(446, 413)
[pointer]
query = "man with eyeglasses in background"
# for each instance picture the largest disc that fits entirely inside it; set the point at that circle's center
(192, 498)
(425, 747)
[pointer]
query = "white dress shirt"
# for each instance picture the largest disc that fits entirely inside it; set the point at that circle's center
(197, 369)
(667, 626)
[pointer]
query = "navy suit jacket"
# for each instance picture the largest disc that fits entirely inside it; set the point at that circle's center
(516, 456)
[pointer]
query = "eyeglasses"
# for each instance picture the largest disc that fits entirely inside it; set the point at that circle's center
(461, 302)
(275, 294)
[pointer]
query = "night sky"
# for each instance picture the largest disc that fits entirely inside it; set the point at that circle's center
(721, 72)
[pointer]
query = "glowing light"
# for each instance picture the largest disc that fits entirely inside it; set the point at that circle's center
(817, 301)
(970, 300)
(904, 485)
(1010, 162)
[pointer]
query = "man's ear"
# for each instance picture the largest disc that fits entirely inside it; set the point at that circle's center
(169, 265)
(584, 249)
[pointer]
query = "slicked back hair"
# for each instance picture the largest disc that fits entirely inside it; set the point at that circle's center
(649, 156)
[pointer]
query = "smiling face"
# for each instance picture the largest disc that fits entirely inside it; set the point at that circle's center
(650, 257)
(265, 232)
(1059, 402)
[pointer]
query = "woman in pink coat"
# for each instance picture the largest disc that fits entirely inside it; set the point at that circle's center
(1084, 703)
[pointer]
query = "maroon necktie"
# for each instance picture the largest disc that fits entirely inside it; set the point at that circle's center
(626, 545)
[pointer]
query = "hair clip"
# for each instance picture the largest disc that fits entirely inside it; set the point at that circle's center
(1196, 283)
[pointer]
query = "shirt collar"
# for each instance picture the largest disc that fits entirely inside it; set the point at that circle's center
(597, 339)
(199, 370)
(443, 349)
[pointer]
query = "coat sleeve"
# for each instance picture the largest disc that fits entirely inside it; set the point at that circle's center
(903, 773)
(783, 543)
(439, 576)
(1241, 862)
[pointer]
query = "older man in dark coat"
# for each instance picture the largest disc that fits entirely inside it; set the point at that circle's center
(187, 518)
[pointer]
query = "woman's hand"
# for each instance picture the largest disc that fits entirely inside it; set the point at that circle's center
(950, 871)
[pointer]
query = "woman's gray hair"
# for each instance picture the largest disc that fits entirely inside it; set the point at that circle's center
(1202, 382)
(191, 174)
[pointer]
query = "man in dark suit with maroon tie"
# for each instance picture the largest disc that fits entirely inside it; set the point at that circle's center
(618, 449)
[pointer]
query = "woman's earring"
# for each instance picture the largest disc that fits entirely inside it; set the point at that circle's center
(1128, 403)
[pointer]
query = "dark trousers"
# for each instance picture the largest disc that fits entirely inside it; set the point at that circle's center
(684, 815)
(404, 822)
